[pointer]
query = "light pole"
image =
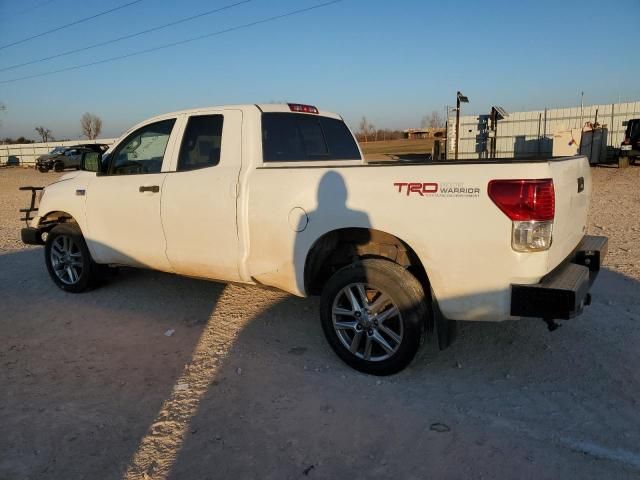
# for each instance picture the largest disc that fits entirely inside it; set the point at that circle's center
(460, 98)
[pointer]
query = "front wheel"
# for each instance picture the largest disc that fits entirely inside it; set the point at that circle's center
(68, 259)
(373, 316)
(42, 169)
(58, 167)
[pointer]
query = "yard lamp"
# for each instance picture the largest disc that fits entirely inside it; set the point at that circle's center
(460, 98)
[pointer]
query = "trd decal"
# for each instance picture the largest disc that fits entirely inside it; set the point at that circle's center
(419, 188)
(433, 189)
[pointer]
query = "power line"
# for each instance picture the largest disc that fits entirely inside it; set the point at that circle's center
(173, 44)
(126, 37)
(76, 22)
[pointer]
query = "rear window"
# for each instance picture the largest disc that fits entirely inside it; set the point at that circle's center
(288, 137)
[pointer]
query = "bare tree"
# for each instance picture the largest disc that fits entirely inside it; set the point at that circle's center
(364, 129)
(44, 133)
(433, 120)
(91, 125)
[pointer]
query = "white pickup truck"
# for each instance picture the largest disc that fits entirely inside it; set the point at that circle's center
(280, 195)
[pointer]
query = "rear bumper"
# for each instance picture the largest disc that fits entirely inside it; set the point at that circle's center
(563, 293)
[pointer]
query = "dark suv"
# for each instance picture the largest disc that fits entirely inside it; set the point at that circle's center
(630, 147)
(61, 158)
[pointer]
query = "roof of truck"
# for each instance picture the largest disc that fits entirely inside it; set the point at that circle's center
(263, 107)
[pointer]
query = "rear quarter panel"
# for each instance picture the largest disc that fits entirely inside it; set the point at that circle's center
(462, 239)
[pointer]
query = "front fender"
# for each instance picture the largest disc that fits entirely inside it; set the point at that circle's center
(65, 197)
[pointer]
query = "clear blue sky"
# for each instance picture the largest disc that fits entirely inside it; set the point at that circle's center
(393, 61)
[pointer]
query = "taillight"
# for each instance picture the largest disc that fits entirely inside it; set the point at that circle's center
(530, 204)
(524, 199)
(296, 107)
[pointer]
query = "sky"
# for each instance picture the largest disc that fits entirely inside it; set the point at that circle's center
(393, 61)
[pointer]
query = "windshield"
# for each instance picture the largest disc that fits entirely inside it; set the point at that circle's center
(57, 150)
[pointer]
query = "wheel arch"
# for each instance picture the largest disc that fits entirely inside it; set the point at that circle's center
(55, 217)
(340, 247)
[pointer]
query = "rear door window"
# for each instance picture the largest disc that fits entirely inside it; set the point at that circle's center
(290, 137)
(201, 142)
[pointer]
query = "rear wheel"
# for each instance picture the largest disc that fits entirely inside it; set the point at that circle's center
(68, 259)
(373, 314)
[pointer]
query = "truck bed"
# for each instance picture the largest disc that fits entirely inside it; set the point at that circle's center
(404, 163)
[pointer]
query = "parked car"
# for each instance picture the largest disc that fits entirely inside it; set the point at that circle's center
(630, 148)
(62, 158)
(45, 162)
(280, 195)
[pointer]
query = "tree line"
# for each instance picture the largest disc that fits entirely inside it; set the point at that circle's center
(90, 124)
(368, 132)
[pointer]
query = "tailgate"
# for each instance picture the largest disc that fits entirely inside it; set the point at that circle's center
(572, 184)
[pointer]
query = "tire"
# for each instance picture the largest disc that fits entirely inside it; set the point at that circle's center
(58, 167)
(68, 260)
(43, 169)
(393, 296)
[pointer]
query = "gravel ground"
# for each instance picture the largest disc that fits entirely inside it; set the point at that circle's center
(246, 387)
(12, 200)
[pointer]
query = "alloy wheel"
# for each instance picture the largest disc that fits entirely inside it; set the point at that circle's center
(367, 322)
(66, 259)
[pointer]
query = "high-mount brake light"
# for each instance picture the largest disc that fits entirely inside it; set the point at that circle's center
(530, 205)
(296, 107)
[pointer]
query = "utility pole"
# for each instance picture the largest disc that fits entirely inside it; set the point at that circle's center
(460, 98)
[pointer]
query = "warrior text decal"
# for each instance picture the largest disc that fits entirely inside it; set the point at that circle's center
(433, 189)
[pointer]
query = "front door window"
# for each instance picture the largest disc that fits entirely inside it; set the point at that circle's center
(143, 150)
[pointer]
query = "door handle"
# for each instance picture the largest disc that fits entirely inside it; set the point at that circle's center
(150, 188)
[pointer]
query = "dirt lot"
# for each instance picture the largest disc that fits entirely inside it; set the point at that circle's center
(393, 149)
(90, 387)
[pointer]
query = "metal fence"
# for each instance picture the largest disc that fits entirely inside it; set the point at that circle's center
(26, 153)
(530, 134)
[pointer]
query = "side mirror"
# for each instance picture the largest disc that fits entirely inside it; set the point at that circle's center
(90, 162)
